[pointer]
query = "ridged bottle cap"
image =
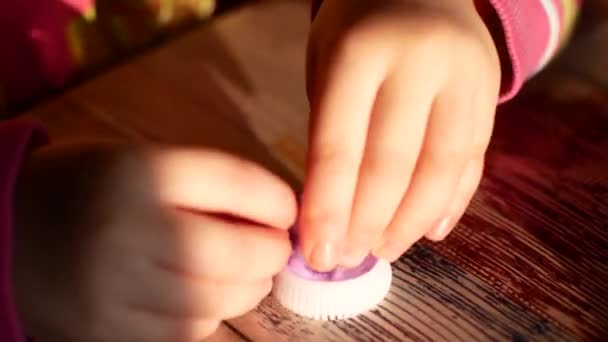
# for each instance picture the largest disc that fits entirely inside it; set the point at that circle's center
(338, 294)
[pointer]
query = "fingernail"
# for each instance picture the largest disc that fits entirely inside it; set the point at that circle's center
(441, 230)
(391, 251)
(323, 257)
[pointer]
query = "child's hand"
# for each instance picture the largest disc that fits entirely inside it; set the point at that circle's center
(403, 96)
(129, 245)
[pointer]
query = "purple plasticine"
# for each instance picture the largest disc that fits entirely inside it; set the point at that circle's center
(298, 265)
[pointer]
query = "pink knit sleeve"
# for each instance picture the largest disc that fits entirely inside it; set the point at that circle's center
(528, 33)
(532, 31)
(16, 139)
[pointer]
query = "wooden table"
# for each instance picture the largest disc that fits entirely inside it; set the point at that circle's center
(529, 259)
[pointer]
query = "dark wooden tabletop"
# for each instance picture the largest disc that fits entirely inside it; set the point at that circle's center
(529, 259)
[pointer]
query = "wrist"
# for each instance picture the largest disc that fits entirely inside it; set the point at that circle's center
(493, 26)
(479, 18)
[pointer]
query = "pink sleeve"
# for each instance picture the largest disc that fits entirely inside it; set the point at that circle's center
(16, 139)
(528, 33)
(531, 32)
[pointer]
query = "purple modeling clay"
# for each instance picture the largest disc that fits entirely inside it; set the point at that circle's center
(297, 264)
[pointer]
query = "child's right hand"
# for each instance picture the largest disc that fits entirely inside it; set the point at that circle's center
(116, 244)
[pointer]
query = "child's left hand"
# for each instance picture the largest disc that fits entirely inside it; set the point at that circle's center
(403, 96)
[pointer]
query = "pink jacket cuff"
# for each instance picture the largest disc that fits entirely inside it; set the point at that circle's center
(533, 32)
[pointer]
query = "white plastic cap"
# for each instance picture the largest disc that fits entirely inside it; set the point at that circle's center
(333, 299)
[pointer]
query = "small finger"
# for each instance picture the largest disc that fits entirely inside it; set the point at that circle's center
(141, 325)
(447, 148)
(181, 297)
(209, 247)
(464, 193)
(484, 109)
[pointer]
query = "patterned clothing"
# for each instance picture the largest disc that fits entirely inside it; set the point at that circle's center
(49, 42)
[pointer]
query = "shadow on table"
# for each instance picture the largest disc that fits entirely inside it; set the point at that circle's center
(548, 176)
(173, 96)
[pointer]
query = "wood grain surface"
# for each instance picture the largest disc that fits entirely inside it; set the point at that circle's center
(529, 261)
